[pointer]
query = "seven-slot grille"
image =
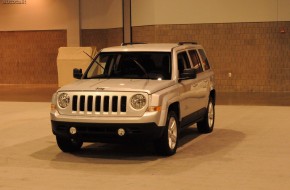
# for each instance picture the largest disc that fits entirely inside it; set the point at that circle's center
(99, 104)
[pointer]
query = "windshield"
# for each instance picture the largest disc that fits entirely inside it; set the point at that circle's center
(132, 65)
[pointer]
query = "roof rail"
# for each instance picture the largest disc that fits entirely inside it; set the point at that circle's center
(131, 43)
(182, 43)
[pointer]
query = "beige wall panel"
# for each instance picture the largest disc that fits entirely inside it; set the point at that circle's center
(34, 15)
(153, 12)
(101, 14)
(284, 10)
(43, 15)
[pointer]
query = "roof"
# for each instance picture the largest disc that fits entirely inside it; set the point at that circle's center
(150, 47)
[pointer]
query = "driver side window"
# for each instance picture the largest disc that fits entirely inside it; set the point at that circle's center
(183, 62)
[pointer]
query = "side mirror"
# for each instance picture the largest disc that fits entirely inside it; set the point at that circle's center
(77, 73)
(188, 74)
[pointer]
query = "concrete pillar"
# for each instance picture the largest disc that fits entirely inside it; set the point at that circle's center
(73, 24)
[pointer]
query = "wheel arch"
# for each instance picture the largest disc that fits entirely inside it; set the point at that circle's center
(175, 107)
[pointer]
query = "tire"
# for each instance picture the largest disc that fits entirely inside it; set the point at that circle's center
(167, 144)
(68, 145)
(207, 124)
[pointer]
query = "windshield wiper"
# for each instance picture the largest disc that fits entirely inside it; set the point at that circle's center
(94, 60)
(141, 67)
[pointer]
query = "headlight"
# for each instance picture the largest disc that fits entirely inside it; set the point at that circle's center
(138, 101)
(63, 100)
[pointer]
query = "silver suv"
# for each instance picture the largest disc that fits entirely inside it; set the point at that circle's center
(143, 92)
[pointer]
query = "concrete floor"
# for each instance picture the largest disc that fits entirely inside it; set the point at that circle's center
(248, 149)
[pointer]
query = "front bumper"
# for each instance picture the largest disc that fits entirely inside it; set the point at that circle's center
(104, 132)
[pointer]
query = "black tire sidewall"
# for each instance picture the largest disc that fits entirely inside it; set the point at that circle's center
(203, 126)
(162, 144)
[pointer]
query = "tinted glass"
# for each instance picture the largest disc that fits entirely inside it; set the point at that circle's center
(195, 60)
(183, 61)
(204, 60)
(133, 65)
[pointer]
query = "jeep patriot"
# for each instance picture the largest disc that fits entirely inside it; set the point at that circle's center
(136, 92)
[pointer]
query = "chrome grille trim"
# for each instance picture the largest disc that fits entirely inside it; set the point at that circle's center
(99, 104)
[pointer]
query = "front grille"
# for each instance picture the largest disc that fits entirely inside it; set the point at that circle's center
(99, 104)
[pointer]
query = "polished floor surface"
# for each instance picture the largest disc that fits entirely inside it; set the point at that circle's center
(248, 149)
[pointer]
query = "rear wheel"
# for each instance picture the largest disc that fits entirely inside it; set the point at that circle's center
(68, 144)
(207, 124)
(167, 144)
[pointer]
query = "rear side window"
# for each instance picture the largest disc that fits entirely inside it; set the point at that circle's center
(204, 60)
(195, 60)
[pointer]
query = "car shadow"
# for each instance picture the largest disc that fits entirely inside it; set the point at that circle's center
(194, 149)
(131, 150)
(126, 151)
(191, 145)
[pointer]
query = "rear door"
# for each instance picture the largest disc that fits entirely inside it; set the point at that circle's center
(207, 75)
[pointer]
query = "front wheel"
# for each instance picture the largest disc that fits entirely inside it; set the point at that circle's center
(68, 144)
(207, 124)
(167, 144)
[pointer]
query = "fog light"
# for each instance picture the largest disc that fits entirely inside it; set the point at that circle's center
(73, 130)
(121, 132)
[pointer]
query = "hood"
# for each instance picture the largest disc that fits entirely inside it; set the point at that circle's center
(125, 85)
